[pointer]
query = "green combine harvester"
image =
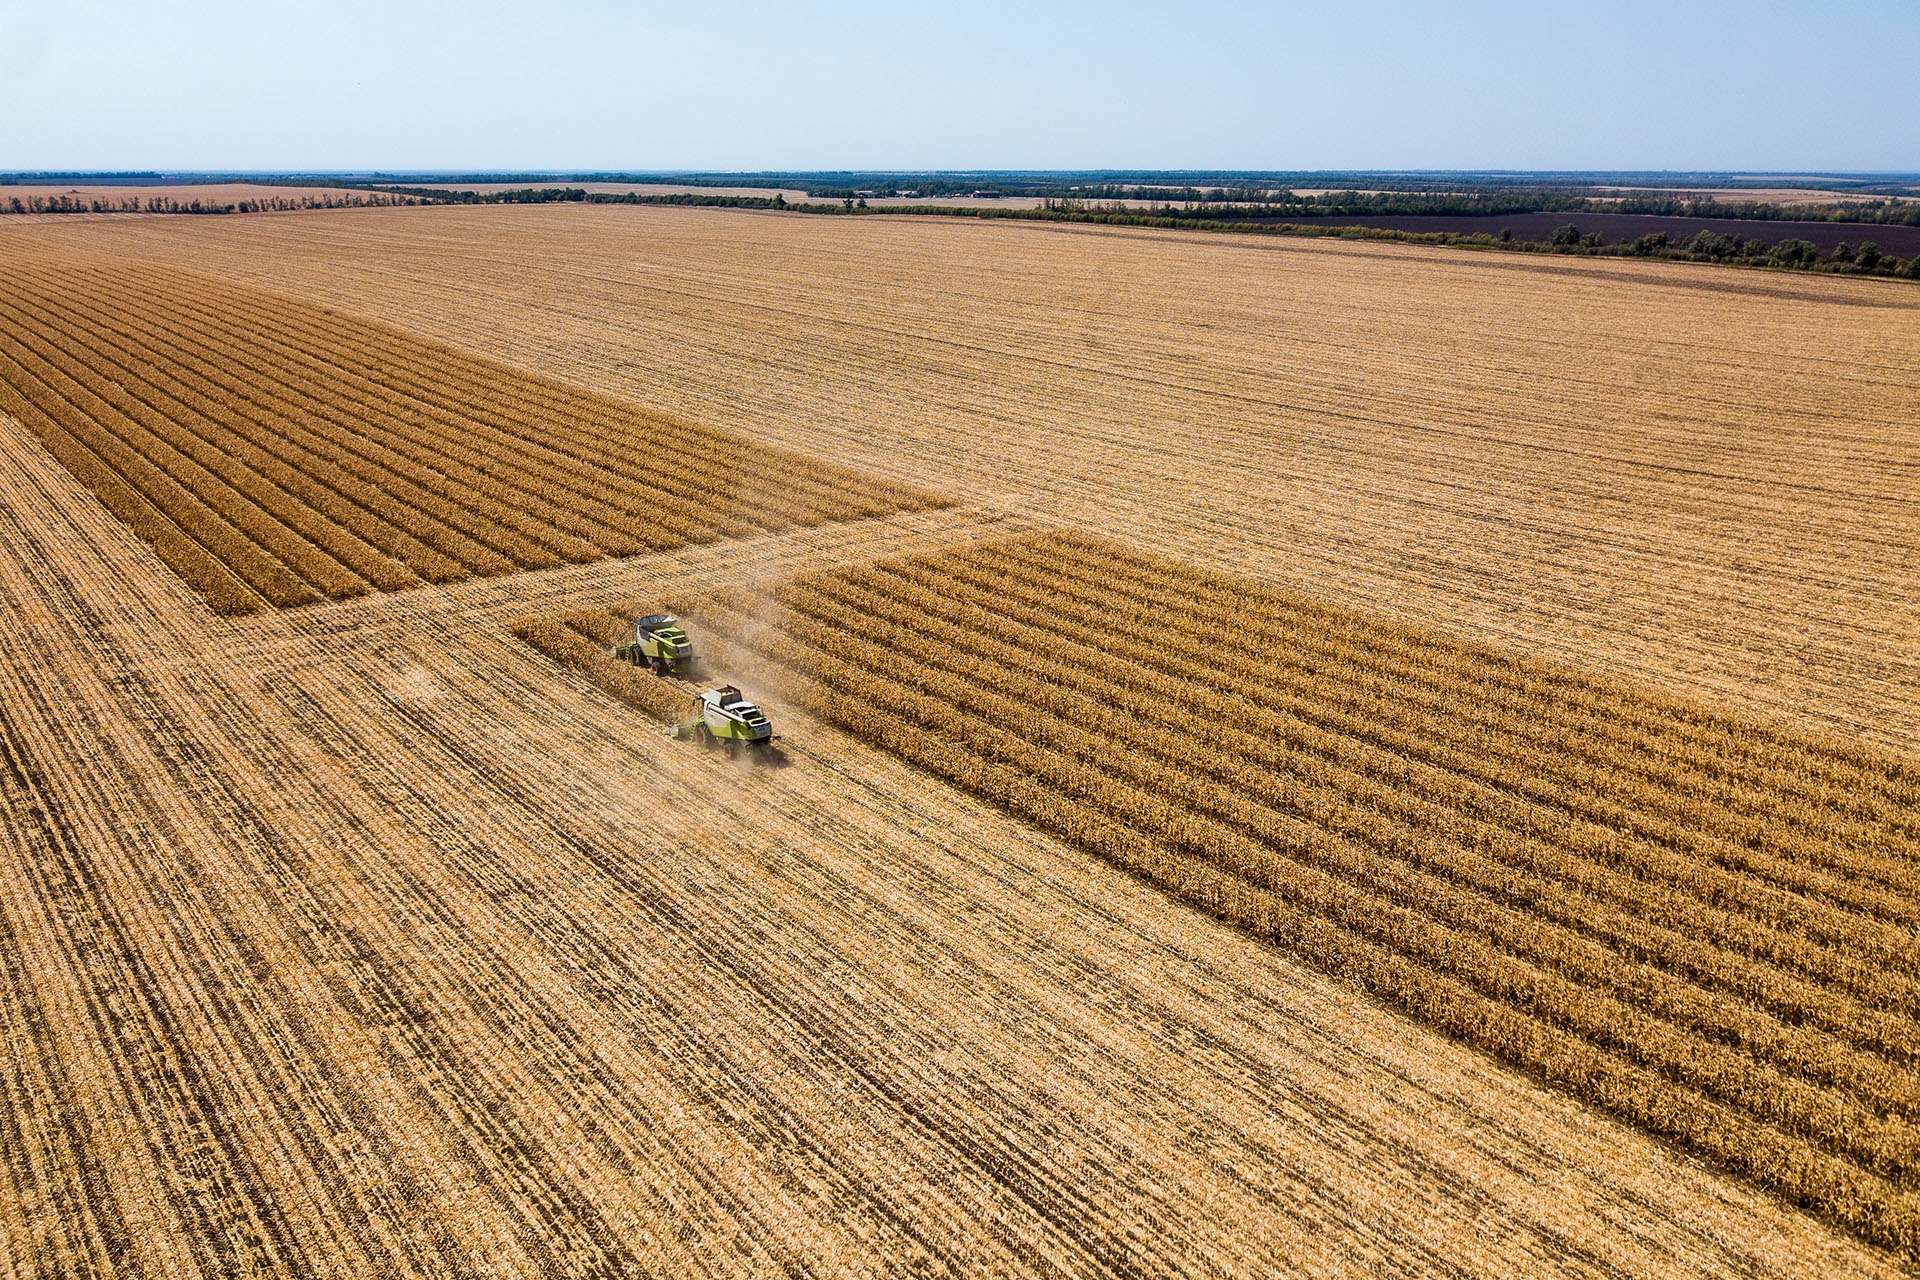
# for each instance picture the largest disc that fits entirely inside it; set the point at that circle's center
(723, 717)
(658, 642)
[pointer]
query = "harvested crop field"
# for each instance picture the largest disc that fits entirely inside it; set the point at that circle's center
(361, 939)
(1694, 478)
(275, 454)
(1702, 926)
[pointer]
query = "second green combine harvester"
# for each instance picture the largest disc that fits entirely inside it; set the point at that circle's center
(660, 642)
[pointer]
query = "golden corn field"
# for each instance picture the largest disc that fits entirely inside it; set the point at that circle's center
(276, 454)
(1294, 759)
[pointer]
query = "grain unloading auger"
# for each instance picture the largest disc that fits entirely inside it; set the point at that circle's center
(723, 717)
(658, 642)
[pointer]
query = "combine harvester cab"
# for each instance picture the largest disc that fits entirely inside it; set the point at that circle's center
(723, 716)
(658, 642)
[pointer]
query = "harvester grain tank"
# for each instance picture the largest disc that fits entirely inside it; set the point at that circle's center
(723, 717)
(658, 642)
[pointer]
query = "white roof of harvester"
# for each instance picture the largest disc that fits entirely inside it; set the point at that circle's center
(729, 700)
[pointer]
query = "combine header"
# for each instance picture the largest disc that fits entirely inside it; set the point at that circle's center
(723, 716)
(658, 642)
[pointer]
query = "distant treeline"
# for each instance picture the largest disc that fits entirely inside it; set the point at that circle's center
(1895, 213)
(519, 195)
(1198, 209)
(43, 177)
(580, 195)
(1704, 246)
(1222, 205)
(68, 203)
(1104, 184)
(1176, 185)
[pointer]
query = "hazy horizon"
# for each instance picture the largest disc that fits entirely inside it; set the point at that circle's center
(613, 173)
(427, 85)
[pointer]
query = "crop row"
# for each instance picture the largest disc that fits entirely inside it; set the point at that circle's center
(275, 454)
(70, 426)
(999, 764)
(1426, 825)
(429, 550)
(1705, 741)
(366, 358)
(313, 449)
(461, 470)
(569, 645)
(475, 470)
(1684, 748)
(1757, 1008)
(156, 423)
(1615, 824)
(606, 477)
(1624, 735)
(162, 529)
(1317, 849)
(215, 388)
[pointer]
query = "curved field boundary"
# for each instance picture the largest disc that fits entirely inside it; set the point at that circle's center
(275, 454)
(1701, 926)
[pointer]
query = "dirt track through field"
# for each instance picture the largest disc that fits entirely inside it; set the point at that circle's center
(1696, 477)
(361, 941)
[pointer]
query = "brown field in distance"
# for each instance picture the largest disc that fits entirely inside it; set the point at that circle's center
(361, 939)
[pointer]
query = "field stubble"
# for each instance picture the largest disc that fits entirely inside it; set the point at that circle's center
(531, 990)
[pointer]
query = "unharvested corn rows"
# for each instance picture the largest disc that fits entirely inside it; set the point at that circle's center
(276, 454)
(1703, 926)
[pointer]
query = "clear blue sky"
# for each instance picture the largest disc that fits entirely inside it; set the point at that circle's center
(225, 84)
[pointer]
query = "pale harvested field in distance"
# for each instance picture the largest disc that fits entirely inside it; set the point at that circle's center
(185, 193)
(1700, 479)
(359, 939)
(1776, 195)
